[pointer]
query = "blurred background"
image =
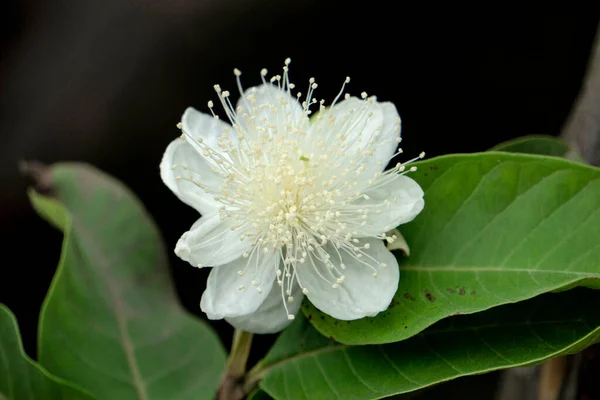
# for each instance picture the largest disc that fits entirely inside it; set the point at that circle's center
(106, 81)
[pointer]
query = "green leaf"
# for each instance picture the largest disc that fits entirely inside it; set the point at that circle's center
(111, 321)
(497, 228)
(540, 144)
(20, 377)
(305, 365)
(535, 144)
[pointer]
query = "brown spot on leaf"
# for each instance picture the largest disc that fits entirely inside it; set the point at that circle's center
(473, 293)
(309, 317)
(462, 291)
(405, 327)
(457, 313)
(409, 297)
(429, 296)
(449, 290)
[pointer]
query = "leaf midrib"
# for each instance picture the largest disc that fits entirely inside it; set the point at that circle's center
(118, 309)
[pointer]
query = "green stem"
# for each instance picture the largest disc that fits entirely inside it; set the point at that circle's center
(232, 384)
(253, 377)
(240, 349)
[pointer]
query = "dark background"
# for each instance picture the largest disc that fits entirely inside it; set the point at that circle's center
(105, 81)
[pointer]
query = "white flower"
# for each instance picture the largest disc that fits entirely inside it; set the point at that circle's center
(292, 206)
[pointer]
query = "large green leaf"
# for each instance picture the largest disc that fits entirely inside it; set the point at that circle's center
(305, 365)
(111, 321)
(497, 228)
(20, 377)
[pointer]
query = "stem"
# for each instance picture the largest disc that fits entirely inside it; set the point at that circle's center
(236, 365)
(253, 377)
(582, 129)
(232, 383)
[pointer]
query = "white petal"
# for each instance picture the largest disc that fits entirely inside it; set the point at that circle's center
(360, 121)
(228, 294)
(181, 162)
(271, 316)
(361, 294)
(405, 198)
(211, 242)
(285, 113)
(198, 125)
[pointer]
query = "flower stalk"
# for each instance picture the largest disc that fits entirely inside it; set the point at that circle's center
(232, 383)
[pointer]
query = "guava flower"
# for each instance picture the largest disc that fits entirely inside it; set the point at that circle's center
(292, 206)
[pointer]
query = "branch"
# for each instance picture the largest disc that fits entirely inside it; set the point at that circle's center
(582, 130)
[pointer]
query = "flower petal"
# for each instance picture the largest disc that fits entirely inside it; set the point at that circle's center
(361, 294)
(362, 124)
(283, 114)
(180, 164)
(197, 125)
(211, 242)
(229, 294)
(271, 316)
(404, 202)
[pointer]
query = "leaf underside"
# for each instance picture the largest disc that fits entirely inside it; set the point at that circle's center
(111, 321)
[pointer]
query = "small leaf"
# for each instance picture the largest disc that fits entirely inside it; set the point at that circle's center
(540, 144)
(305, 365)
(111, 321)
(534, 144)
(20, 377)
(497, 228)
